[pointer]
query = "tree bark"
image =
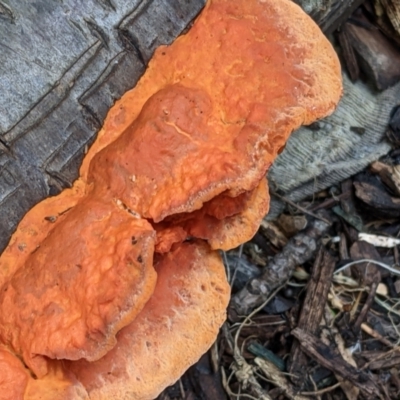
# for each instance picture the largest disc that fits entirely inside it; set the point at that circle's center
(62, 65)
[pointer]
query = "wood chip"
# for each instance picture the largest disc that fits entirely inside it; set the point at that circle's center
(392, 8)
(330, 358)
(375, 197)
(380, 58)
(313, 307)
(390, 175)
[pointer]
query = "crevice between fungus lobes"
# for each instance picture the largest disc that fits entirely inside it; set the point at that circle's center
(101, 284)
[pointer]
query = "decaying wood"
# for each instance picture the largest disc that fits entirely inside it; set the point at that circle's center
(379, 57)
(348, 54)
(390, 175)
(62, 65)
(381, 360)
(298, 250)
(375, 197)
(313, 308)
(331, 359)
(326, 153)
(330, 334)
(369, 276)
(392, 8)
(367, 273)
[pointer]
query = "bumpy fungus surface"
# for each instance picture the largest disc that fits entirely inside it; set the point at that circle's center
(16, 381)
(188, 303)
(76, 291)
(113, 288)
(13, 378)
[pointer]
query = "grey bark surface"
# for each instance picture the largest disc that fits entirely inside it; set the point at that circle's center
(62, 65)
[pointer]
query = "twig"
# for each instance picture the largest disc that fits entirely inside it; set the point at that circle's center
(254, 312)
(181, 389)
(329, 203)
(322, 391)
(381, 356)
(232, 281)
(243, 371)
(302, 209)
(313, 307)
(331, 359)
(299, 249)
(278, 379)
(367, 305)
(387, 307)
(367, 329)
(380, 264)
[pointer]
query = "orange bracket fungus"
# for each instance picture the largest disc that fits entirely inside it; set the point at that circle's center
(114, 287)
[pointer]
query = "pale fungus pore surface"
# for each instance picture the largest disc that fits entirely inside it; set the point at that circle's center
(114, 287)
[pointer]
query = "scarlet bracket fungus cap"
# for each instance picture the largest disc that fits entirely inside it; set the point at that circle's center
(17, 383)
(214, 119)
(76, 291)
(175, 327)
(232, 230)
(181, 157)
(13, 377)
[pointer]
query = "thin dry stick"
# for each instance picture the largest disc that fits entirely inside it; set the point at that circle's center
(315, 386)
(225, 384)
(367, 305)
(380, 264)
(367, 329)
(300, 208)
(386, 306)
(242, 370)
(181, 388)
(255, 311)
(277, 378)
(384, 355)
(322, 391)
(235, 268)
(226, 263)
